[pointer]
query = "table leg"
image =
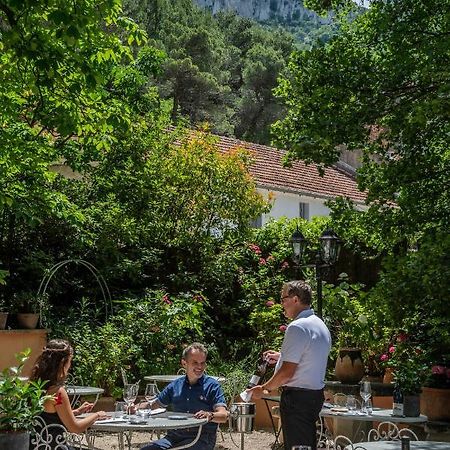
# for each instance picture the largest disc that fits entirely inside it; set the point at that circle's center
(199, 432)
(276, 432)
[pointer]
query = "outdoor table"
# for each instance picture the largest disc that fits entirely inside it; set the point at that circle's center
(396, 445)
(170, 378)
(378, 415)
(77, 391)
(159, 423)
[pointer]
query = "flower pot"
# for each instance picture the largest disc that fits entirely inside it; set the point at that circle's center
(28, 320)
(3, 317)
(388, 376)
(411, 405)
(15, 441)
(349, 366)
(434, 403)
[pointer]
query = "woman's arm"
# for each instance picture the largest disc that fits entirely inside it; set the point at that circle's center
(69, 420)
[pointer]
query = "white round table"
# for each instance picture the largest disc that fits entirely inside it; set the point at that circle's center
(396, 445)
(161, 422)
(170, 378)
(78, 391)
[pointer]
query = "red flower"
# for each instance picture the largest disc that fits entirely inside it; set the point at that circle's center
(285, 265)
(282, 328)
(391, 349)
(384, 357)
(402, 337)
(262, 261)
(166, 299)
(270, 303)
(255, 248)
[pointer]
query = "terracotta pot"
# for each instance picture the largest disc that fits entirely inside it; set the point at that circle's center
(3, 317)
(349, 366)
(388, 376)
(411, 405)
(28, 320)
(434, 403)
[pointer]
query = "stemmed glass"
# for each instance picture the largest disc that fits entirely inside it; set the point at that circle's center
(130, 392)
(151, 392)
(365, 392)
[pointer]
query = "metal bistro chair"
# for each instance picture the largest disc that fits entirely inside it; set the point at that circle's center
(53, 437)
(343, 442)
(389, 431)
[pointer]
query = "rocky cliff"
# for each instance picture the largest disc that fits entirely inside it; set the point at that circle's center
(263, 10)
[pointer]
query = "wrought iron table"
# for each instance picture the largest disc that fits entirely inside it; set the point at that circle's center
(160, 423)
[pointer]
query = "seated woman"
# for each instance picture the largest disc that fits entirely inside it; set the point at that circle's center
(53, 366)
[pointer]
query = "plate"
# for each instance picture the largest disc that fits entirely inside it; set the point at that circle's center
(340, 409)
(175, 417)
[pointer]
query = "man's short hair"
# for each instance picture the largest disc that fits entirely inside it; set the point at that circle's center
(194, 346)
(299, 288)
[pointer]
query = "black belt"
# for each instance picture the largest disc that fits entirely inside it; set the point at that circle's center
(294, 388)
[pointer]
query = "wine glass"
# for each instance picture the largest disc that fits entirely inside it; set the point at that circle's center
(130, 392)
(365, 392)
(151, 392)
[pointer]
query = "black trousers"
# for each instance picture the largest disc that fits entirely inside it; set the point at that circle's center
(299, 411)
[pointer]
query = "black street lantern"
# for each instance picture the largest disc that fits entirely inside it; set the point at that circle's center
(326, 257)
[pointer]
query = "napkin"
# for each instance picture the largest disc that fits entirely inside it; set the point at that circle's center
(113, 420)
(157, 411)
(246, 396)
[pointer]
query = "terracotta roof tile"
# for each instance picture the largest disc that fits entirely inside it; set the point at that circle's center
(268, 170)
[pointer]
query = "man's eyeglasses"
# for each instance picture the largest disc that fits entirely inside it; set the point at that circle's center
(284, 297)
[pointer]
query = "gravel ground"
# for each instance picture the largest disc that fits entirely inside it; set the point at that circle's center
(257, 440)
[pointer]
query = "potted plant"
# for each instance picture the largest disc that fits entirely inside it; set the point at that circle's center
(20, 402)
(410, 370)
(29, 307)
(3, 311)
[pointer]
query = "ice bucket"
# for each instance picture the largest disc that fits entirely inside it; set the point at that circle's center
(242, 415)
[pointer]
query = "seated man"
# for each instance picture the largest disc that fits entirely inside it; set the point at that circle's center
(195, 393)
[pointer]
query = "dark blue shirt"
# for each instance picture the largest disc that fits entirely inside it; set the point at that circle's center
(204, 395)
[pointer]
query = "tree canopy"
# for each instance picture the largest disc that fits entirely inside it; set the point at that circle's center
(380, 85)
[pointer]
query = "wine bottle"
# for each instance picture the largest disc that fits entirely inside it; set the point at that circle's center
(258, 373)
(397, 405)
(406, 443)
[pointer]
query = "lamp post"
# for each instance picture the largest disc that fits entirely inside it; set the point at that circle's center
(326, 256)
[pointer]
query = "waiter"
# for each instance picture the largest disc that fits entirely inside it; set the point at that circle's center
(300, 367)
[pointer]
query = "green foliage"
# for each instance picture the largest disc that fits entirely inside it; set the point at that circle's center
(146, 336)
(408, 360)
(20, 401)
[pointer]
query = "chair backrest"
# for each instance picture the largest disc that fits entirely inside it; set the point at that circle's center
(53, 437)
(389, 431)
(343, 442)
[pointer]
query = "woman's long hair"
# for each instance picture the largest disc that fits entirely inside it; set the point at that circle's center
(48, 366)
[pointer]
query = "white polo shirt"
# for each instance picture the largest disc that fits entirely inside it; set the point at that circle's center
(307, 342)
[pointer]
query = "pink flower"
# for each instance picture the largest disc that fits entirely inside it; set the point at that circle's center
(438, 370)
(391, 349)
(384, 357)
(402, 337)
(285, 265)
(255, 248)
(270, 303)
(166, 299)
(282, 328)
(262, 261)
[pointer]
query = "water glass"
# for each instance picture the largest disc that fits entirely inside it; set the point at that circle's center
(120, 409)
(301, 447)
(369, 408)
(351, 404)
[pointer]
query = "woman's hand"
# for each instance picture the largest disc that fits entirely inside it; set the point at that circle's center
(102, 415)
(84, 408)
